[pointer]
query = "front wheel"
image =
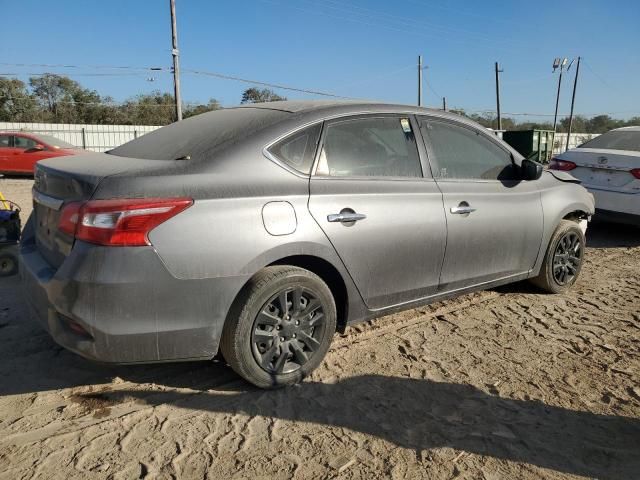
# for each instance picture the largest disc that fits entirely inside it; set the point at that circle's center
(563, 259)
(281, 327)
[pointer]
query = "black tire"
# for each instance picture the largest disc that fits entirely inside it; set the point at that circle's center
(563, 259)
(8, 264)
(271, 346)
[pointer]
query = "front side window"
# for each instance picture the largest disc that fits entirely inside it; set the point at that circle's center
(462, 153)
(298, 149)
(370, 147)
(23, 142)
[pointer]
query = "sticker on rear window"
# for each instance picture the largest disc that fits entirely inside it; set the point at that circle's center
(406, 126)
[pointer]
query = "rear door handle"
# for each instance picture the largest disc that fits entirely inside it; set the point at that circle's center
(462, 209)
(345, 217)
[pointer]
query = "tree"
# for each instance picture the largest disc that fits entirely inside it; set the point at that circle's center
(192, 110)
(16, 103)
(155, 108)
(54, 94)
(579, 124)
(257, 95)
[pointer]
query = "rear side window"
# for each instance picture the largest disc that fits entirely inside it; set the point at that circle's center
(298, 149)
(616, 140)
(370, 147)
(23, 142)
(5, 141)
(202, 136)
(462, 153)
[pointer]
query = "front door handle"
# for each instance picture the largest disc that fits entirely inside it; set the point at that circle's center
(462, 209)
(345, 217)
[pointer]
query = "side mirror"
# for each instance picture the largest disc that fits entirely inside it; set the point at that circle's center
(530, 170)
(36, 148)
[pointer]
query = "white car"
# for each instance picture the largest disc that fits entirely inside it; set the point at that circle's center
(609, 167)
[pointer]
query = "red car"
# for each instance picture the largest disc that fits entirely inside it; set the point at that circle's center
(19, 151)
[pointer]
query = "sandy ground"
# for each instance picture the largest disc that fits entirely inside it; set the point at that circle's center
(502, 384)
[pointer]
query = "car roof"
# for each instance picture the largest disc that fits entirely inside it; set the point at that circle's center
(17, 132)
(342, 106)
(633, 128)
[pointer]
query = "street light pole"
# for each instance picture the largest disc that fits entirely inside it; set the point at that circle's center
(558, 63)
(498, 71)
(419, 80)
(573, 100)
(176, 62)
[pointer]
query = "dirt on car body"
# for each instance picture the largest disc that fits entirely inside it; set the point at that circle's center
(507, 383)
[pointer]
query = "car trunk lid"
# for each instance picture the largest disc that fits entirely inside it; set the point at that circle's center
(62, 180)
(604, 169)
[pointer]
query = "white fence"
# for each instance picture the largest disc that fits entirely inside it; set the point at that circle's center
(560, 140)
(97, 138)
(105, 137)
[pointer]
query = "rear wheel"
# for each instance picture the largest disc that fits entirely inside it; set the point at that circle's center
(8, 264)
(281, 328)
(563, 260)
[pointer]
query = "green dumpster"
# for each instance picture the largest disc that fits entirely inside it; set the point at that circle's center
(532, 144)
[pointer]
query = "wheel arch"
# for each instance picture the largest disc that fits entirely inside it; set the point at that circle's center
(577, 215)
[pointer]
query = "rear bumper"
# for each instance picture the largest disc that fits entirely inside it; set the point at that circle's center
(617, 217)
(121, 305)
(623, 203)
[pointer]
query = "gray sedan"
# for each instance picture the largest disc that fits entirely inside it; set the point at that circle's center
(260, 230)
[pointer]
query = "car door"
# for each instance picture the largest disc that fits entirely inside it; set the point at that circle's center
(5, 151)
(383, 216)
(25, 153)
(494, 219)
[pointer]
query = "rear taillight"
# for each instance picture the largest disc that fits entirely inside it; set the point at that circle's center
(557, 164)
(122, 222)
(635, 172)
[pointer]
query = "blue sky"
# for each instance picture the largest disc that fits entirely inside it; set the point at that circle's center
(354, 48)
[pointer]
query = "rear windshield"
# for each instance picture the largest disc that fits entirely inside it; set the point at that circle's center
(55, 142)
(616, 140)
(199, 137)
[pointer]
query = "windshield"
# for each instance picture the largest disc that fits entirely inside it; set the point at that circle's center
(616, 140)
(55, 142)
(198, 137)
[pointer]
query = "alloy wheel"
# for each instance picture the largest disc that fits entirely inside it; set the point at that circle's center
(288, 330)
(567, 258)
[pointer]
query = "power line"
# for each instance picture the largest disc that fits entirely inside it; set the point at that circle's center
(107, 104)
(63, 65)
(432, 89)
(374, 79)
(42, 74)
(403, 21)
(194, 72)
(261, 83)
(598, 76)
(401, 26)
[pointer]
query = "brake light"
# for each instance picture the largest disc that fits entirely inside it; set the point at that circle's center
(121, 222)
(635, 172)
(557, 164)
(69, 218)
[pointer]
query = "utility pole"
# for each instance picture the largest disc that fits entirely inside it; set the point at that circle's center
(419, 80)
(444, 103)
(498, 71)
(573, 101)
(176, 62)
(558, 62)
